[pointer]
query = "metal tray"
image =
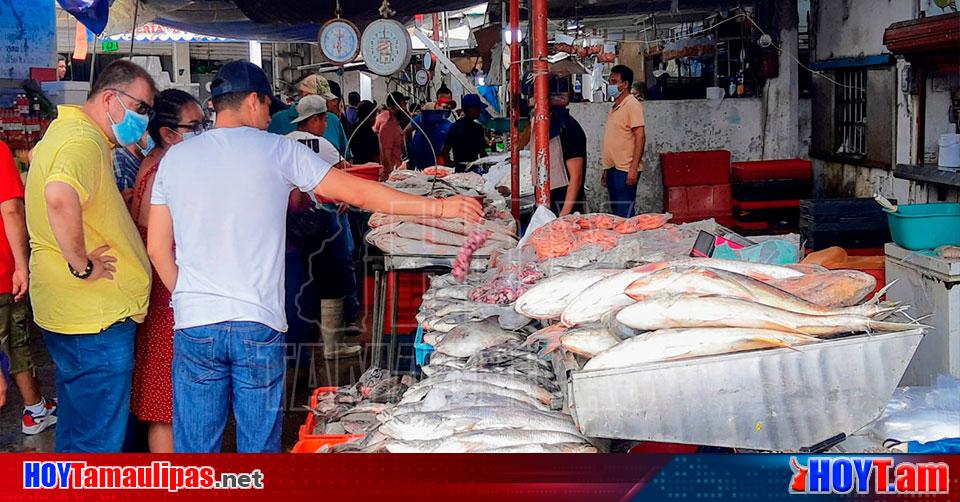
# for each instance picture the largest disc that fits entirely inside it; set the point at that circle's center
(778, 399)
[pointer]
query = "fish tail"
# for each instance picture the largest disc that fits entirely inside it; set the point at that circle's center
(895, 326)
(545, 334)
(768, 340)
(553, 343)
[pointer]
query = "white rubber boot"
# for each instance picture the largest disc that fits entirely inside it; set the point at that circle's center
(331, 330)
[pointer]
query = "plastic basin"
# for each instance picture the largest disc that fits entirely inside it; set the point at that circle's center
(925, 226)
(422, 350)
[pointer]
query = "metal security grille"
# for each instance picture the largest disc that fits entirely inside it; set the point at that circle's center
(851, 112)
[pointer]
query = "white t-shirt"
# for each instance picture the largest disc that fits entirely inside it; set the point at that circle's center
(322, 146)
(227, 191)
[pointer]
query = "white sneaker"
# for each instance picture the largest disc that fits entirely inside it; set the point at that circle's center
(35, 424)
(342, 350)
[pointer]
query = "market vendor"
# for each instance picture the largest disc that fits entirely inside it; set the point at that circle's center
(282, 122)
(623, 143)
(467, 140)
(568, 151)
(428, 132)
(222, 196)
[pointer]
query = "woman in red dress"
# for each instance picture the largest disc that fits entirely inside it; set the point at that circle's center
(177, 117)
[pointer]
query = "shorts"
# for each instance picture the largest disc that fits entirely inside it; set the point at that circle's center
(14, 335)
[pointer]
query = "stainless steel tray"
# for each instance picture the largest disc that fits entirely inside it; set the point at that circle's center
(779, 399)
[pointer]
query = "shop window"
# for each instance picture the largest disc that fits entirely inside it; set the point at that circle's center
(850, 114)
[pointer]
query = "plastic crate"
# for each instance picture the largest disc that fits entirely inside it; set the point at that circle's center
(711, 167)
(422, 350)
(412, 286)
(762, 205)
(725, 220)
(310, 442)
(703, 201)
(748, 228)
(773, 189)
(766, 170)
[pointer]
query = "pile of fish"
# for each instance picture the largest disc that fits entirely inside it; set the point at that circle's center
(353, 409)
(421, 235)
(699, 306)
(448, 304)
(485, 392)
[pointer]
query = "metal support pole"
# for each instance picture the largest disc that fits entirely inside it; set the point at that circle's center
(541, 119)
(515, 110)
(438, 81)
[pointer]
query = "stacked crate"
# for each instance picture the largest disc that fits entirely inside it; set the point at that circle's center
(767, 194)
(696, 186)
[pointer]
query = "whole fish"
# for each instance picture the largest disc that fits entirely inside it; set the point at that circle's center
(758, 271)
(585, 341)
(705, 281)
(600, 298)
(514, 382)
(686, 311)
(468, 339)
(466, 387)
(671, 344)
(550, 296)
(543, 448)
(424, 426)
(439, 400)
(835, 288)
(469, 442)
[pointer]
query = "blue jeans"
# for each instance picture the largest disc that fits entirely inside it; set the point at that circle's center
(622, 197)
(230, 362)
(93, 373)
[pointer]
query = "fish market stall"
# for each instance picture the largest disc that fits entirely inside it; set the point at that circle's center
(597, 328)
(412, 244)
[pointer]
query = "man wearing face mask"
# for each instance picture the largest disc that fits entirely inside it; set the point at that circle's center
(623, 143)
(89, 269)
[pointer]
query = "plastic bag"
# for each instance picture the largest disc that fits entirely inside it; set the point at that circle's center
(771, 252)
(922, 414)
(542, 216)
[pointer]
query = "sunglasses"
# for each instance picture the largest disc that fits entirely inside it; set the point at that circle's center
(196, 127)
(142, 107)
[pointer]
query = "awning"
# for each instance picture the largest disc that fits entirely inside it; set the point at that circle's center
(152, 32)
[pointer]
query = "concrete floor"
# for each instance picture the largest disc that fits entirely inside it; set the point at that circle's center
(300, 383)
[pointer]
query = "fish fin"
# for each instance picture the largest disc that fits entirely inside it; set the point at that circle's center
(545, 334)
(760, 277)
(767, 340)
(876, 297)
(553, 343)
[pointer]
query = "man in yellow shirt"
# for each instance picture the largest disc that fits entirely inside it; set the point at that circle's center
(623, 143)
(89, 269)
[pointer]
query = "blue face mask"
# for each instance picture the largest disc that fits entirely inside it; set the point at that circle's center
(131, 128)
(145, 150)
(613, 91)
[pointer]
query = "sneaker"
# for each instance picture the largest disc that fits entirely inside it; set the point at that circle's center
(342, 350)
(37, 423)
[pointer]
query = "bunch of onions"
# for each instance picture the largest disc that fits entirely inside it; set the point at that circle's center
(461, 266)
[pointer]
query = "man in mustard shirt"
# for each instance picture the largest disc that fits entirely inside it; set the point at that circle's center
(623, 143)
(89, 270)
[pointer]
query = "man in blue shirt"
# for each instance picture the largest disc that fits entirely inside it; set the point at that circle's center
(282, 122)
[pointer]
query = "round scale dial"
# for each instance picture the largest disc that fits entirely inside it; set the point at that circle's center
(386, 47)
(339, 41)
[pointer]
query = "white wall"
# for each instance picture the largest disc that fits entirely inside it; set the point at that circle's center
(939, 89)
(677, 126)
(850, 28)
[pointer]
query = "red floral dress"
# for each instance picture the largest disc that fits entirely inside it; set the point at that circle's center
(152, 397)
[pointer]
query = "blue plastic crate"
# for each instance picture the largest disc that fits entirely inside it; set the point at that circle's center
(421, 350)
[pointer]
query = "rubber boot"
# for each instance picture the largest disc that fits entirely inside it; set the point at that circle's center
(331, 329)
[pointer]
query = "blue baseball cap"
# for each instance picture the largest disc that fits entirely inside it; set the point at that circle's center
(240, 76)
(472, 101)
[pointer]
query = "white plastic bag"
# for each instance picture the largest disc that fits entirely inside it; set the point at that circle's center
(541, 217)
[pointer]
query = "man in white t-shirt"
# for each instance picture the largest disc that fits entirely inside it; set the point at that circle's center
(326, 254)
(223, 198)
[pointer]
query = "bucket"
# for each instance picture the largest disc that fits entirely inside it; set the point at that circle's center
(925, 226)
(949, 150)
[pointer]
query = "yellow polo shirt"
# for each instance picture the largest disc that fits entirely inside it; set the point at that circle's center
(618, 134)
(76, 152)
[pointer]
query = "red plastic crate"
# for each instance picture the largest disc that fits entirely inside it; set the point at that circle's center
(700, 200)
(881, 275)
(766, 170)
(711, 167)
(761, 228)
(410, 295)
(723, 220)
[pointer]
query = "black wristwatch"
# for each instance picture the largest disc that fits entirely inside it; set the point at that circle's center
(87, 272)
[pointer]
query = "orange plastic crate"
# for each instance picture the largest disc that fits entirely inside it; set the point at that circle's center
(310, 442)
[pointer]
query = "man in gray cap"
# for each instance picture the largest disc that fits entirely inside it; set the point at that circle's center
(222, 197)
(315, 85)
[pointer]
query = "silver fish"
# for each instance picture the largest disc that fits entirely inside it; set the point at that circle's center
(484, 440)
(585, 341)
(686, 311)
(424, 426)
(705, 281)
(758, 271)
(543, 448)
(671, 344)
(438, 400)
(599, 298)
(514, 382)
(470, 338)
(550, 296)
(469, 387)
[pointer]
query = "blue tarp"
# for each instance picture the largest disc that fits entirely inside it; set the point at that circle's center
(92, 13)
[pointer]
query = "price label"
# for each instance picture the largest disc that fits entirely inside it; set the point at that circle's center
(110, 46)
